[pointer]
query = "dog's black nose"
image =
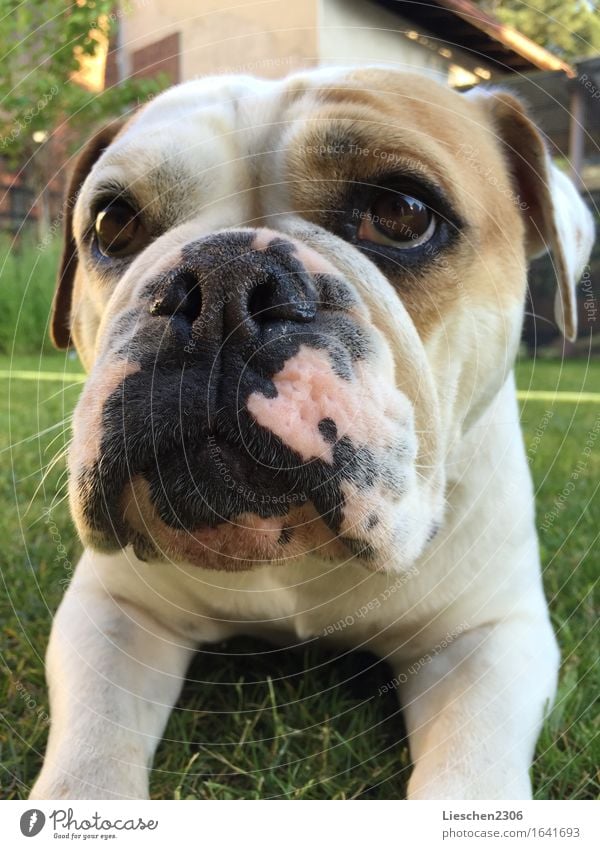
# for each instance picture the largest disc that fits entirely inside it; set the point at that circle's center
(233, 284)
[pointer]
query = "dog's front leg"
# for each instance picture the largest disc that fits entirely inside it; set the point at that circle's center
(114, 674)
(474, 710)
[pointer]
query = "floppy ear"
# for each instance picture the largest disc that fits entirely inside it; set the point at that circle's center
(555, 215)
(60, 324)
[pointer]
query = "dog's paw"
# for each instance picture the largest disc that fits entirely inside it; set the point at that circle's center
(62, 785)
(458, 782)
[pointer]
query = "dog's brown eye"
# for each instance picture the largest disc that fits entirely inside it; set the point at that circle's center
(119, 230)
(397, 219)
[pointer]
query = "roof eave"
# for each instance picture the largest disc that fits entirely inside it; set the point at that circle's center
(507, 36)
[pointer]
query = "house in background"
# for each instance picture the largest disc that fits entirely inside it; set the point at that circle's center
(450, 39)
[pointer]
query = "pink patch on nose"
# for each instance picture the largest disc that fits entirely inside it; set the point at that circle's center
(308, 391)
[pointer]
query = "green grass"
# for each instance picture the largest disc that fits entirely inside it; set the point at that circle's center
(27, 281)
(261, 722)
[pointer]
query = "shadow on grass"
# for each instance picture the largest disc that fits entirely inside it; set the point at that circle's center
(257, 721)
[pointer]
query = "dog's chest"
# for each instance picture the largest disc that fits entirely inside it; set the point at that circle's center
(346, 605)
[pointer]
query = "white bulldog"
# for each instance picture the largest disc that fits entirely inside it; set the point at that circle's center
(299, 303)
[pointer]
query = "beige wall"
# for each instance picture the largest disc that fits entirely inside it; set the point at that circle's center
(241, 36)
(354, 31)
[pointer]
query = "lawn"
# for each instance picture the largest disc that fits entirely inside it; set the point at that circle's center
(270, 723)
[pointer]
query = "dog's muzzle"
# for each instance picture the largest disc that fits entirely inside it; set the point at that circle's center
(237, 414)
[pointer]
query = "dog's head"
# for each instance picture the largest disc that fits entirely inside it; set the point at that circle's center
(292, 298)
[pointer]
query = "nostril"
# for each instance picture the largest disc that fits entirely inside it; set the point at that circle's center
(191, 304)
(273, 300)
(261, 301)
(181, 296)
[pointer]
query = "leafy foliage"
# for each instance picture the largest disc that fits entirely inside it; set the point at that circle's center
(571, 30)
(45, 45)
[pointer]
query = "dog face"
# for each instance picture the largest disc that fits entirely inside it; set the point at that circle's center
(292, 298)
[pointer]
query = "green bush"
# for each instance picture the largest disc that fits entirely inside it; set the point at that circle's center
(27, 279)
